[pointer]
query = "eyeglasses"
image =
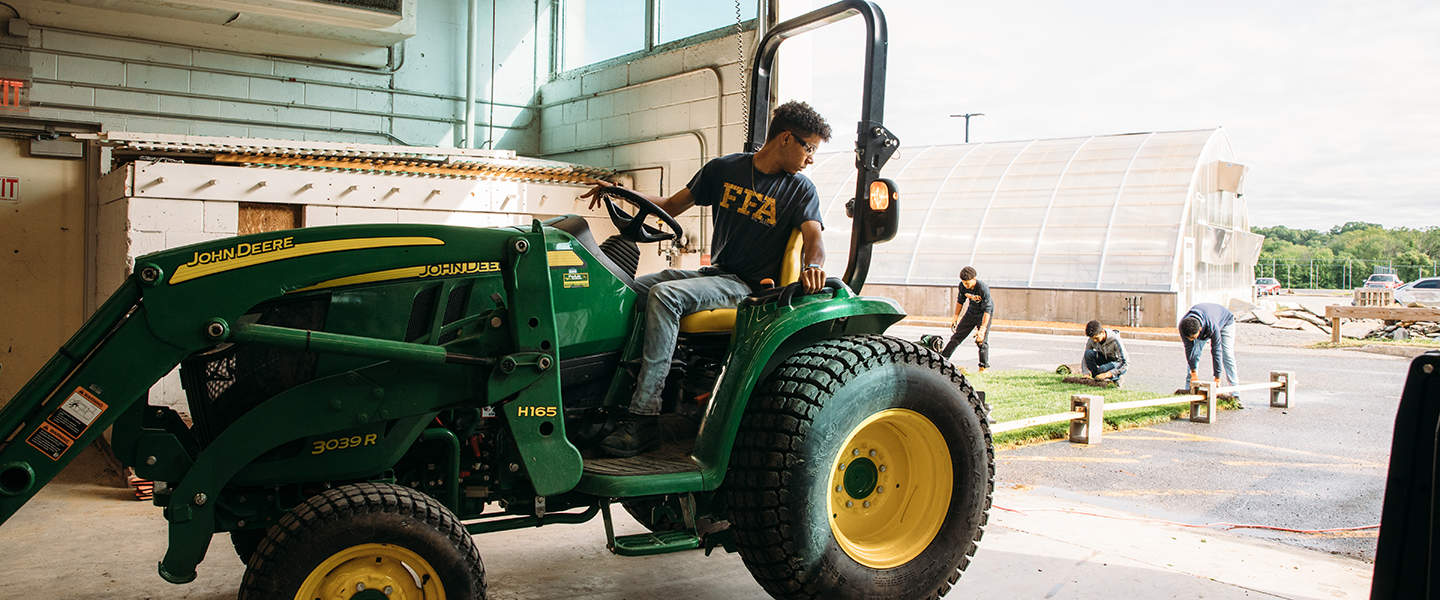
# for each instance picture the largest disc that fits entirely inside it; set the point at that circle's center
(809, 148)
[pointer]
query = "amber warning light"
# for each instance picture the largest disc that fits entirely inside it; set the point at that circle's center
(12, 94)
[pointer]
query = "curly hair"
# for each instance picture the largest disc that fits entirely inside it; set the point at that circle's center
(799, 119)
(967, 273)
(1189, 326)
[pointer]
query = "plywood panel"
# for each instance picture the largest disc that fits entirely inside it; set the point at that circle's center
(259, 218)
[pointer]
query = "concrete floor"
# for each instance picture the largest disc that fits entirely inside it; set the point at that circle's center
(79, 539)
(1070, 522)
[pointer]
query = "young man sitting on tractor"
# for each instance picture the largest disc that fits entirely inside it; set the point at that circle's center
(757, 200)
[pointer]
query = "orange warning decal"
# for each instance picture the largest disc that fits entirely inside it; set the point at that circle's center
(50, 441)
(77, 413)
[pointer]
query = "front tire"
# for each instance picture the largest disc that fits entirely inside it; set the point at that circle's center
(388, 539)
(863, 469)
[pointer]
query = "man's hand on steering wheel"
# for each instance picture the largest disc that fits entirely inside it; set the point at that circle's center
(813, 278)
(632, 226)
(595, 192)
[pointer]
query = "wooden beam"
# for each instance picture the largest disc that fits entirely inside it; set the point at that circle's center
(1250, 386)
(1033, 421)
(1334, 311)
(1161, 401)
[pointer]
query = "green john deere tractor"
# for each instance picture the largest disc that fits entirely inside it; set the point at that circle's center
(362, 394)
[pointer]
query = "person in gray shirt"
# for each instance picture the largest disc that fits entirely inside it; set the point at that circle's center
(1105, 356)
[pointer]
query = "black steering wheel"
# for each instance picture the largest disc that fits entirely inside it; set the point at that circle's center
(633, 227)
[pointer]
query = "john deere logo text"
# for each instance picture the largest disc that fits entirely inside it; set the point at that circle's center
(535, 411)
(464, 268)
(240, 250)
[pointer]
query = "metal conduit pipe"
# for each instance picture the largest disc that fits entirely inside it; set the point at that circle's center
(353, 111)
(699, 135)
(470, 35)
(490, 131)
(295, 61)
(713, 69)
(224, 120)
(218, 71)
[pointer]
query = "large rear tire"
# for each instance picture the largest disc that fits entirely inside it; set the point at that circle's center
(386, 540)
(863, 469)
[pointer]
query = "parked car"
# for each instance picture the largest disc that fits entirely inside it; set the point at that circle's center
(1421, 291)
(1266, 285)
(1383, 280)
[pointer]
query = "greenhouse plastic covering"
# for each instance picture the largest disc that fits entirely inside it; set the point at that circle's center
(1102, 212)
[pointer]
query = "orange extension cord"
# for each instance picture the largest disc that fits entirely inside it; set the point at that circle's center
(1222, 526)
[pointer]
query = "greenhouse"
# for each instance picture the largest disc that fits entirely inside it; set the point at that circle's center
(1129, 229)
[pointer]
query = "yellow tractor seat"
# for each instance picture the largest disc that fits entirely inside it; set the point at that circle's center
(720, 320)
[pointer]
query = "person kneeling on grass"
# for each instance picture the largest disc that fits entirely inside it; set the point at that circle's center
(1105, 357)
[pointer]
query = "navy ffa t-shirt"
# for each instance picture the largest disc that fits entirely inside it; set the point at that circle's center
(754, 214)
(979, 298)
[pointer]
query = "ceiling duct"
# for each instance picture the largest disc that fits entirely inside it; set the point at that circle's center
(346, 31)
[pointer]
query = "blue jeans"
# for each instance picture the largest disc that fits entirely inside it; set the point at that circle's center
(1226, 343)
(1095, 367)
(666, 296)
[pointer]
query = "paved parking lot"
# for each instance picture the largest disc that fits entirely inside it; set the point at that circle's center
(1319, 465)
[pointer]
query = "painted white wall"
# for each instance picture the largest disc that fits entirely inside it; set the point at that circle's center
(162, 87)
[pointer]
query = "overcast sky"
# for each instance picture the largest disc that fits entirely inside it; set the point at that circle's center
(1334, 106)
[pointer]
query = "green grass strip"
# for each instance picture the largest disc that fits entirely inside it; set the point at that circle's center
(1020, 394)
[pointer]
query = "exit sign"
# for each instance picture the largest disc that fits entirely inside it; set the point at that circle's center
(9, 189)
(14, 94)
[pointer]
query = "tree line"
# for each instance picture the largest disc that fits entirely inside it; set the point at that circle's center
(1345, 255)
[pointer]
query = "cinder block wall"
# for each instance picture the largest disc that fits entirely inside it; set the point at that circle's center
(147, 86)
(664, 115)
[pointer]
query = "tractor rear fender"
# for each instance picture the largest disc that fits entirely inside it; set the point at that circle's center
(764, 335)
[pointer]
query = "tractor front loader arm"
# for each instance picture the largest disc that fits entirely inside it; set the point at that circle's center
(81, 390)
(191, 299)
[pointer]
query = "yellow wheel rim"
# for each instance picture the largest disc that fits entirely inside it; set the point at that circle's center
(890, 488)
(368, 571)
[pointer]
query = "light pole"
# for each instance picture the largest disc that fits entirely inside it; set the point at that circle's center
(967, 123)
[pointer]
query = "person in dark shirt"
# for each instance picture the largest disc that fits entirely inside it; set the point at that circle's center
(1105, 356)
(973, 308)
(757, 200)
(1212, 323)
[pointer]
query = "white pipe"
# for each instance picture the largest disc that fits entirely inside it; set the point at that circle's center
(470, 51)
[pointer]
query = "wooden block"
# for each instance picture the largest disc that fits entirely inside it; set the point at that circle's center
(1210, 403)
(1288, 389)
(1087, 430)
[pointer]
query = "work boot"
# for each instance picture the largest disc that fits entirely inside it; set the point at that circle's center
(981, 369)
(634, 434)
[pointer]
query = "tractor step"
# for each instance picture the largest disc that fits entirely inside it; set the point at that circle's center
(673, 457)
(658, 542)
(668, 470)
(645, 544)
